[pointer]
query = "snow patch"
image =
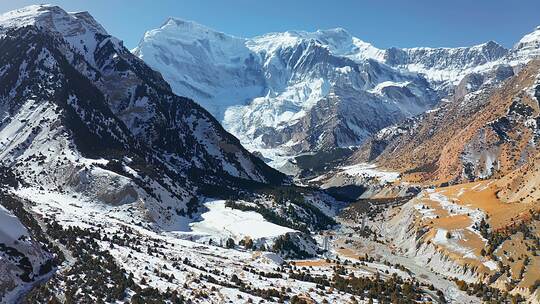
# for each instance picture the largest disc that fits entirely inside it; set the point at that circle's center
(226, 222)
(11, 228)
(370, 170)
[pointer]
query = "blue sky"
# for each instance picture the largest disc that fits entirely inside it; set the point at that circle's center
(384, 23)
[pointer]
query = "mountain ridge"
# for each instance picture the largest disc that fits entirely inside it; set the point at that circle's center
(258, 86)
(476, 134)
(263, 89)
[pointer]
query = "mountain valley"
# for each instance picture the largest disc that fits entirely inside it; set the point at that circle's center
(294, 167)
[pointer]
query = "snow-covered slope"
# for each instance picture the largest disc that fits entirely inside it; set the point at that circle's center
(10, 229)
(236, 224)
(93, 135)
(220, 70)
(266, 90)
(528, 46)
(98, 97)
(447, 66)
(22, 259)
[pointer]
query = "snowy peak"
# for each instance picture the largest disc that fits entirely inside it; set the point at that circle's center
(80, 29)
(217, 69)
(447, 64)
(30, 15)
(491, 50)
(338, 41)
(51, 18)
(89, 20)
(531, 38)
(335, 38)
(189, 31)
(193, 40)
(529, 45)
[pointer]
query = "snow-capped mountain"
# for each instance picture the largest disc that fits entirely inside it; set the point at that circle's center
(98, 101)
(472, 134)
(528, 46)
(446, 67)
(95, 138)
(295, 91)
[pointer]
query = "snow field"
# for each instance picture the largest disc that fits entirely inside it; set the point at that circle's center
(227, 222)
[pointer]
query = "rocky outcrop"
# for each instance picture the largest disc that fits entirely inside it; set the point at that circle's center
(23, 259)
(406, 232)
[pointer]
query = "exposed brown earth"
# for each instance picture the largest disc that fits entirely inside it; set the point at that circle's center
(515, 258)
(523, 184)
(493, 124)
